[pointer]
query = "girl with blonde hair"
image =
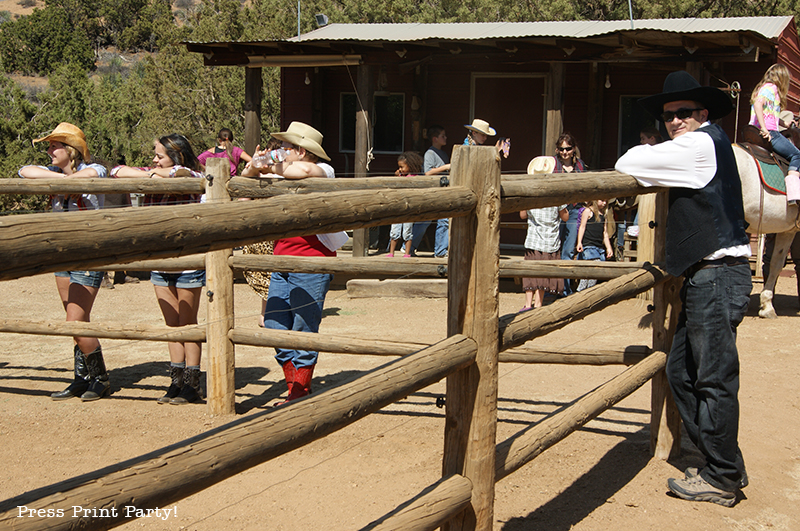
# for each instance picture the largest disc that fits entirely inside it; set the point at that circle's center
(765, 109)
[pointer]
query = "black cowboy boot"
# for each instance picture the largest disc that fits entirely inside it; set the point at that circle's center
(176, 374)
(190, 392)
(81, 382)
(99, 384)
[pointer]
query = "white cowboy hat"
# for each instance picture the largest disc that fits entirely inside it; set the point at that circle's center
(481, 126)
(304, 136)
(68, 134)
(543, 164)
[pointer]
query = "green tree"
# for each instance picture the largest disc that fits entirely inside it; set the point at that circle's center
(37, 43)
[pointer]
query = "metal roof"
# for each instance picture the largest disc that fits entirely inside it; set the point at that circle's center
(768, 27)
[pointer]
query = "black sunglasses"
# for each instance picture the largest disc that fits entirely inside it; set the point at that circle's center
(570, 148)
(682, 114)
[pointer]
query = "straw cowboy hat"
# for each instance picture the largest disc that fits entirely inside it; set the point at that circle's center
(480, 126)
(786, 116)
(543, 164)
(70, 135)
(681, 85)
(304, 136)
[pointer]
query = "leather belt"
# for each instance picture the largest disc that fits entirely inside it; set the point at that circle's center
(719, 262)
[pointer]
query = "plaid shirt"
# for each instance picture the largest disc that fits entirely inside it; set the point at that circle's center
(543, 229)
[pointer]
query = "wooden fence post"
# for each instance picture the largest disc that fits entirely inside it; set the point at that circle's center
(473, 310)
(219, 290)
(665, 422)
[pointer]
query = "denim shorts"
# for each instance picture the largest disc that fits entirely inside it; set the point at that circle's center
(90, 279)
(184, 280)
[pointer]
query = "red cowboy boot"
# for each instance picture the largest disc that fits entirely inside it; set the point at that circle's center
(289, 373)
(302, 383)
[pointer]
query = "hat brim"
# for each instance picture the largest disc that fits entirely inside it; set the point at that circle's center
(303, 142)
(542, 164)
(713, 99)
(69, 140)
(491, 132)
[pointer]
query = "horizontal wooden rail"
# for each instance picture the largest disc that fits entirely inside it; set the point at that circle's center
(178, 185)
(514, 452)
(40, 243)
(163, 477)
(105, 330)
(427, 511)
(538, 191)
(268, 187)
(517, 329)
(629, 355)
(264, 337)
(195, 261)
(431, 266)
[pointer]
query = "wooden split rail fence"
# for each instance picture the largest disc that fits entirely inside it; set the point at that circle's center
(478, 338)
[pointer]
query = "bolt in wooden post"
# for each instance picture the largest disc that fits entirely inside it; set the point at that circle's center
(219, 290)
(473, 310)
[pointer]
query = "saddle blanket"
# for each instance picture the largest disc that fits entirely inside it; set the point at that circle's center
(771, 176)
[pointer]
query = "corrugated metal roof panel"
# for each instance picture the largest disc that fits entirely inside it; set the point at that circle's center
(768, 27)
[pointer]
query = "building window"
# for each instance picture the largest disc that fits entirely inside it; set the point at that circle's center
(388, 122)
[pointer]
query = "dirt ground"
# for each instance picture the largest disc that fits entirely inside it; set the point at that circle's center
(599, 478)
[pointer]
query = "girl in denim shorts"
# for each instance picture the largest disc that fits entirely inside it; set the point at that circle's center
(178, 293)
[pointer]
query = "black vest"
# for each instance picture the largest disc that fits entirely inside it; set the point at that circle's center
(703, 221)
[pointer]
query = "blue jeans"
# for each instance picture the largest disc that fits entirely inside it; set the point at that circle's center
(590, 252)
(442, 237)
(418, 232)
(295, 302)
(703, 367)
(569, 238)
(785, 149)
(91, 279)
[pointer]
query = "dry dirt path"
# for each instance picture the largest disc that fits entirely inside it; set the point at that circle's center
(600, 478)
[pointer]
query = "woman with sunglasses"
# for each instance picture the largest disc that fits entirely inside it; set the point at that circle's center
(567, 161)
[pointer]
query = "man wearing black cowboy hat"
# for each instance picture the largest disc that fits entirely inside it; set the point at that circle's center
(707, 243)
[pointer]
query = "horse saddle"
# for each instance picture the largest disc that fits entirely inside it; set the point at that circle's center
(771, 167)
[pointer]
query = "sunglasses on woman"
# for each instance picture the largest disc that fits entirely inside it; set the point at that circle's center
(682, 114)
(569, 148)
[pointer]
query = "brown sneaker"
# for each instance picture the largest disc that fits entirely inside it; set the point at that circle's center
(696, 488)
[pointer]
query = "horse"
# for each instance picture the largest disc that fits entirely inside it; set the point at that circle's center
(767, 212)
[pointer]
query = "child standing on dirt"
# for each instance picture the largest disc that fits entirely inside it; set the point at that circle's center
(408, 163)
(765, 110)
(593, 238)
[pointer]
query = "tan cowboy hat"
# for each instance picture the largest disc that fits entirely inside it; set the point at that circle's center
(786, 116)
(543, 164)
(70, 135)
(304, 136)
(481, 126)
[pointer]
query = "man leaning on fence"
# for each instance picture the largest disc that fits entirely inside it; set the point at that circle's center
(707, 243)
(295, 300)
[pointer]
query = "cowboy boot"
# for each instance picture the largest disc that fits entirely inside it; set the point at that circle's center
(176, 375)
(792, 181)
(98, 376)
(289, 372)
(81, 382)
(302, 383)
(190, 392)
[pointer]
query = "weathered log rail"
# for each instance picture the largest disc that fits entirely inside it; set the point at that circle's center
(171, 238)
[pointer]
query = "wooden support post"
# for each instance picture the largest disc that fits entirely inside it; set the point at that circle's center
(363, 144)
(594, 117)
(473, 310)
(219, 289)
(554, 104)
(252, 108)
(646, 241)
(665, 422)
